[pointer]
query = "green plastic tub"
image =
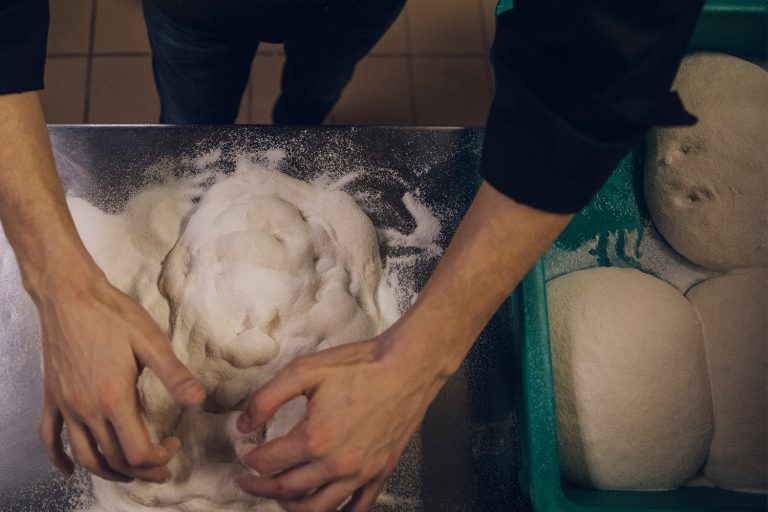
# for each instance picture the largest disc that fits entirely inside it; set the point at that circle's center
(609, 229)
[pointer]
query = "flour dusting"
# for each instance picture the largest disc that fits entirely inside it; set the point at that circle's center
(644, 250)
(245, 271)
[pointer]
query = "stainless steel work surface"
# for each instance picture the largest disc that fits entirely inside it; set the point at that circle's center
(465, 455)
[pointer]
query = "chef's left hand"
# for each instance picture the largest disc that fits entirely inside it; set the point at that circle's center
(364, 403)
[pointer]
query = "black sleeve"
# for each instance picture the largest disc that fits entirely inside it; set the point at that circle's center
(578, 84)
(23, 40)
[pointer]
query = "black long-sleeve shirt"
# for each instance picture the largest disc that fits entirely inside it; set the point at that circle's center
(578, 83)
(23, 41)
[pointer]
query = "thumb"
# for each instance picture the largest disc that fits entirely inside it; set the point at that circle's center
(156, 353)
(292, 381)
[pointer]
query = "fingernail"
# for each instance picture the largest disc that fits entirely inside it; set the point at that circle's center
(171, 445)
(243, 422)
(239, 481)
(190, 391)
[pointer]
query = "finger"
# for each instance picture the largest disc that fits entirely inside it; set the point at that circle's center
(281, 453)
(330, 497)
(156, 353)
(133, 438)
(86, 453)
(292, 485)
(290, 382)
(109, 445)
(51, 424)
(365, 497)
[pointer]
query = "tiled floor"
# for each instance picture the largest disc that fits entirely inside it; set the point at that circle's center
(431, 68)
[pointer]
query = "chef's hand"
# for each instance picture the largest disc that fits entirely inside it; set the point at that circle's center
(366, 399)
(95, 342)
(363, 406)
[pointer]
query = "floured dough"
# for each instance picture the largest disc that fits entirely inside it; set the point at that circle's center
(733, 310)
(264, 269)
(633, 403)
(706, 185)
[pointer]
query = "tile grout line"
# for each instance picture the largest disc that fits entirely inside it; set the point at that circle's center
(409, 62)
(489, 32)
(483, 25)
(487, 40)
(89, 64)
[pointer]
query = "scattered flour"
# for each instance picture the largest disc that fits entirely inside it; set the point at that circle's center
(644, 250)
(244, 272)
(425, 235)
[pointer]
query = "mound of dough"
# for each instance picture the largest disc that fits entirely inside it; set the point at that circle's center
(706, 185)
(732, 310)
(266, 268)
(633, 403)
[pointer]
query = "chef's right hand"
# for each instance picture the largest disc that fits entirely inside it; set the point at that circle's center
(95, 342)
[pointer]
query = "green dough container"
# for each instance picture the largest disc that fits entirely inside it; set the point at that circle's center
(611, 228)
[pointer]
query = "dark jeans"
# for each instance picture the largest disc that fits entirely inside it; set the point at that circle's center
(201, 73)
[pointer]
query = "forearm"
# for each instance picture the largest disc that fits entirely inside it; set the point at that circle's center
(33, 209)
(496, 244)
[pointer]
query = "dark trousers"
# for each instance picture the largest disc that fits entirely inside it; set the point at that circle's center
(201, 74)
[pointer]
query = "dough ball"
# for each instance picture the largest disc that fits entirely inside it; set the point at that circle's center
(706, 185)
(268, 268)
(633, 403)
(263, 269)
(733, 310)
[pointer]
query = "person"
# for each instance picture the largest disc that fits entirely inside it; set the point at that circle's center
(202, 53)
(578, 83)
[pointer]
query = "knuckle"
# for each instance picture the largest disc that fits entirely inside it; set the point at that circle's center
(371, 471)
(152, 475)
(296, 368)
(345, 465)
(109, 396)
(78, 404)
(261, 466)
(139, 456)
(116, 462)
(284, 490)
(318, 443)
(81, 460)
(278, 489)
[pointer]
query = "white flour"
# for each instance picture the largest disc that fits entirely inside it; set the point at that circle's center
(645, 250)
(263, 269)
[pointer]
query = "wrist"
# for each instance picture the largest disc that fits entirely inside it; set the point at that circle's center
(52, 279)
(417, 348)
